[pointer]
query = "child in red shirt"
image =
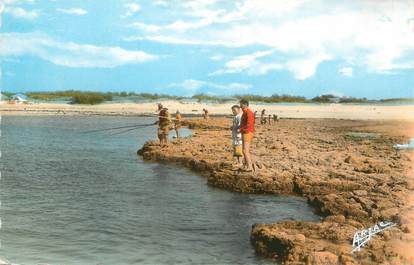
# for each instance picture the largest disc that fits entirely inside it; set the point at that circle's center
(247, 130)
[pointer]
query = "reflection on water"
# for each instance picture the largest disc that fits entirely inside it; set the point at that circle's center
(73, 198)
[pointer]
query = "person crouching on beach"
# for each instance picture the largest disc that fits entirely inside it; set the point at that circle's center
(236, 135)
(164, 121)
(177, 123)
(247, 130)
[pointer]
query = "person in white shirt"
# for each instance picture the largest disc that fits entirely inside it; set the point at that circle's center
(236, 135)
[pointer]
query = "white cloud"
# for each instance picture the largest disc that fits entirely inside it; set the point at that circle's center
(73, 11)
(190, 84)
(248, 63)
(305, 68)
(68, 53)
(162, 3)
(264, 68)
(19, 12)
(12, 2)
(180, 41)
(199, 9)
(217, 57)
(178, 25)
(145, 27)
(193, 86)
(132, 8)
(304, 33)
(302, 68)
(271, 8)
(335, 93)
(346, 71)
(11, 7)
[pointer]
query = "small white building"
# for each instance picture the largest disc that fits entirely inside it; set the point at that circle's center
(19, 98)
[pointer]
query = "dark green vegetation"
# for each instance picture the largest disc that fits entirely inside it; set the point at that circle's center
(274, 98)
(88, 97)
(408, 100)
(331, 98)
(6, 95)
(76, 97)
(204, 97)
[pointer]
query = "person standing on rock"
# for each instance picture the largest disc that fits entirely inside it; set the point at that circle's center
(177, 123)
(236, 135)
(263, 117)
(205, 114)
(164, 122)
(247, 130)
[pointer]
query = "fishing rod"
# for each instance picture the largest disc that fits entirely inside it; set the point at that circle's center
(124, 131)
(159, 116)
(138, 127)
(130, 126)
(117, 128)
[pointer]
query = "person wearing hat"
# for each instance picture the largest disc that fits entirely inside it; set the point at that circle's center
(164, 122)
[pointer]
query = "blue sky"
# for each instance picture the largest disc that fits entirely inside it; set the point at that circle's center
(298, 47)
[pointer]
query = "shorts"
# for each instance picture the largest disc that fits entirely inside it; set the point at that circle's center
(237, 150)
(247, 137)
(163, 131)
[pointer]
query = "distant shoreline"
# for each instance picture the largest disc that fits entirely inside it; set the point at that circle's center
(334, 111)
(95, 97)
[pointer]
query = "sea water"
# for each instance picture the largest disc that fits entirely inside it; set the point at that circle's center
(69, 197)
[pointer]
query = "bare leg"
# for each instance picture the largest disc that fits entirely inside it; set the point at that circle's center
(160, 137)
(247, 156)
(239, 160)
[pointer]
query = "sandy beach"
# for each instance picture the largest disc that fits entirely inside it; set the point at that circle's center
(347, 169)
(336, 111)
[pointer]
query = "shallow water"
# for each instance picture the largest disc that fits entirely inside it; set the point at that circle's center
(74, 198)
(409, 146)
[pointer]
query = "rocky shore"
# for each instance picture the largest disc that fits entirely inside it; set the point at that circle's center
(347, 169)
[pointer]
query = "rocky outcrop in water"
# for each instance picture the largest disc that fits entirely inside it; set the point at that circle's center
(352, 180)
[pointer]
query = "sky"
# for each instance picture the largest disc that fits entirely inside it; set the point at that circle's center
(358, 48)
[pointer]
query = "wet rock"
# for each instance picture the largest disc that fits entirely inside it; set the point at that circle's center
(360, 193)
(390, 214)
(322, 257)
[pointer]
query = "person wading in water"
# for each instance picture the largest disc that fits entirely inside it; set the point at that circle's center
(247, 130)
(164, 122)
